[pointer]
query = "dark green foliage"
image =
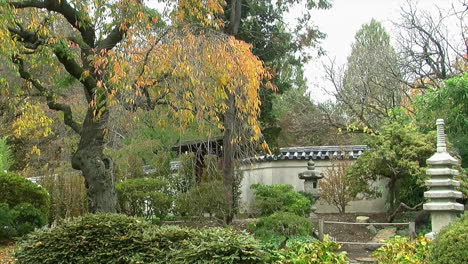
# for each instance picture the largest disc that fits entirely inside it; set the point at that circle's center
(451, 244)
(279, 198)
(280, 227)
(27, 218)
(106, 238)
(144, 197)
(19, 220)
(7, 216)
(15, 189)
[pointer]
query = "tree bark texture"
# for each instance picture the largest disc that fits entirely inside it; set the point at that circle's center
(97, 168)
(228, 157)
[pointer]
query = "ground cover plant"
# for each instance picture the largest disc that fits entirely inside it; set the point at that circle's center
(403, 250)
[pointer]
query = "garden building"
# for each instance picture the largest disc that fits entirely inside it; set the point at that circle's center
(284, 167)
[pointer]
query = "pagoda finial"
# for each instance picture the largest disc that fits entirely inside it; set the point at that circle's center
(441, 146)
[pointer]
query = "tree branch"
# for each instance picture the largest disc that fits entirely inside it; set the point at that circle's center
(51, 103)
(78, 20)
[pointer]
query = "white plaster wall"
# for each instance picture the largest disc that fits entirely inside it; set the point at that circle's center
(286, 172)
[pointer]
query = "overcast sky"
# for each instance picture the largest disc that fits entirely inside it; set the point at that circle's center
(341, 23)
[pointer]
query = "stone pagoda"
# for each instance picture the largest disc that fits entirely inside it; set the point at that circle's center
(442, 194)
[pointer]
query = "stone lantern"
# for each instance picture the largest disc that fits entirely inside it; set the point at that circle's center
(311, 178)
(442, 194)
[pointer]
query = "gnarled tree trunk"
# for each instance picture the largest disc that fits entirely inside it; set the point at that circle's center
(96, 167)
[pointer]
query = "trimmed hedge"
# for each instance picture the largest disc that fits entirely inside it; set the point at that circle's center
(15, 190)
(450, 246)
(111, 238)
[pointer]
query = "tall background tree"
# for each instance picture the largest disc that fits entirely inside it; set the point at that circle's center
(368, 87)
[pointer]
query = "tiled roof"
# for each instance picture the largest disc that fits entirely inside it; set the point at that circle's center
(315, 153)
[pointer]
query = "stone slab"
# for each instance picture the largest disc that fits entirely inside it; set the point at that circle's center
(443, 194)
(442, 183)
(447, 206)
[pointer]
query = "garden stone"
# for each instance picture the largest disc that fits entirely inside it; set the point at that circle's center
(384, 234)
(372, 229)
(362, 219)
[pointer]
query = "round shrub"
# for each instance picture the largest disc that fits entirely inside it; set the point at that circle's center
(281, 225)
(19, 220)
(450, 246)
(15, 189)
(107, 238)
(144, 197)
(279, 198)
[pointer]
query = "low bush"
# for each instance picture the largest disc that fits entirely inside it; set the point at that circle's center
(144, 197)
(278, 228)
(279, 198)
(19, 220)
(15, 190)
(315, 252)
(207, 197)
(403, 250)
(107, 238)
(450, 246)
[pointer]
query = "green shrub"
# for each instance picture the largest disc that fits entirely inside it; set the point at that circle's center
(105, 238)
(15, 189)
(184, 179)
(280, 227)
(100, 238)
(207, 198)
(19, 221)
(450, 246)
(403, 250)
(212, 245)
(279, 198)
(144, 197)
(7, 232)
(315, 252)
(6, 156)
